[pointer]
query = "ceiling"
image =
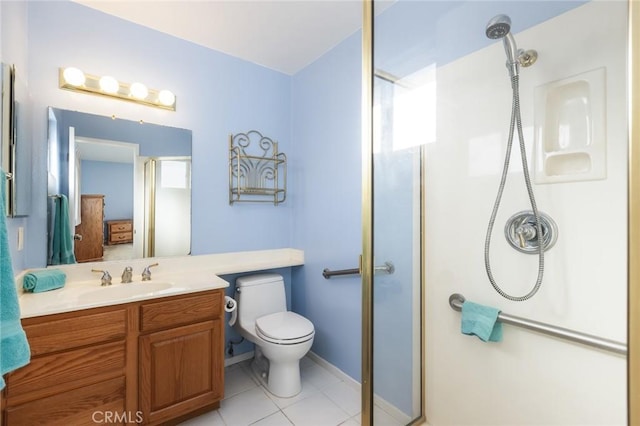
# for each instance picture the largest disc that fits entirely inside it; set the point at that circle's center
(102, 150)
(284, 35)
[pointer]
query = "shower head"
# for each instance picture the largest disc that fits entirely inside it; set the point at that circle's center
(499, 27)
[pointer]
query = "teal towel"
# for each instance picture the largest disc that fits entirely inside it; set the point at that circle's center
(481, 321)
(62, 241)
(39, 281)
(14, 348)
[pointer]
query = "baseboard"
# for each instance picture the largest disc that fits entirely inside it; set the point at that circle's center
(389, 408)
(238, 358)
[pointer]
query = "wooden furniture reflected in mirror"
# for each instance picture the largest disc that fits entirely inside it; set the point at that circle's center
(119, 231)
(89, 235)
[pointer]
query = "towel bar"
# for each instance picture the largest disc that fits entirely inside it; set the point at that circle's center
(387, 268)
(456, 300)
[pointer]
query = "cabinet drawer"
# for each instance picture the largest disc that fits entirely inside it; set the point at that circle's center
(120, 237)
(121, 227)
(154, 316)
(82, 406)
(55, 335)
(53, 373)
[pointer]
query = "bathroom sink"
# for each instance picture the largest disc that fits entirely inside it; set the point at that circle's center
(125, 291)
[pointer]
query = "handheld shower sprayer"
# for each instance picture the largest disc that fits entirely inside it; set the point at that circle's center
(499, 27)
(529, 230)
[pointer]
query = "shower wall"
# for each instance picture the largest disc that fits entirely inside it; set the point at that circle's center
(527, 378)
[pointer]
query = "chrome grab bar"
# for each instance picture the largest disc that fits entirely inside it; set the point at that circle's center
(456, 300)
(386, 268)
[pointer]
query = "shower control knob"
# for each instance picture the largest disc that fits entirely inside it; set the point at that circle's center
(526, 232)
(521, 232)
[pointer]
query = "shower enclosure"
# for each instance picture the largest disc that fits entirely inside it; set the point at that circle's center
(437, 104)
(167, 206)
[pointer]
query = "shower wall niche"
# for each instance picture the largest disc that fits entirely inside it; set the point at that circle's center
(570, 133)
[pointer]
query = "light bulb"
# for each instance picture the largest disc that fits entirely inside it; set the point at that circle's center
(166, 97)
(138, 91)
(109, 84)
(73, 76)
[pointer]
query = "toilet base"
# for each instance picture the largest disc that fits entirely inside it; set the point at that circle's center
(282, 379)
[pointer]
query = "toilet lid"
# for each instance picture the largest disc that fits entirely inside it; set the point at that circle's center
(287, 326)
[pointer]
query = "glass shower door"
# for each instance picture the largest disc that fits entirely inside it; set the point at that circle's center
(396, 289)
(396, 283)
(167, 195)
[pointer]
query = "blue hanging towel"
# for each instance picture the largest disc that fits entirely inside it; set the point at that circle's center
(62, 241)
(481, 321)
(14, 348)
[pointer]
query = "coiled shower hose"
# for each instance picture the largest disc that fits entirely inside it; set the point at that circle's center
(516, 122)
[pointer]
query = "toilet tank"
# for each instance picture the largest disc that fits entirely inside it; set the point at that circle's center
(259, 295)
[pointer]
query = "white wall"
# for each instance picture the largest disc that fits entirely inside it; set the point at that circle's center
(527, 378)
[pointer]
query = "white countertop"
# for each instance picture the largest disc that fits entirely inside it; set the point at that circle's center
(173, 276)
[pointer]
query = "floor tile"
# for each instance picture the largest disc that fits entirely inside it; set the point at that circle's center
(382, 418)
(276, 419)
(212, 418)
(315, 411)
(246, 407)
(325, 400)
(237, 380)
(317, 376)
(350, 422)
(306, 361)
(345, 397)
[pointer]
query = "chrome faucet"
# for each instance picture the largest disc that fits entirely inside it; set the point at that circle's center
(106, 278)
(146, 274)
(126, 275)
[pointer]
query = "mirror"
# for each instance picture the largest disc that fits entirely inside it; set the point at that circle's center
(7, 139)
(126, 186)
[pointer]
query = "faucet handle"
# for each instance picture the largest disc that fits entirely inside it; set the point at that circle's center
(106, 278)
(126, 274)
(146, 273)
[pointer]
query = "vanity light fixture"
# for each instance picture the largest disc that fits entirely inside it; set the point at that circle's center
(77, 81)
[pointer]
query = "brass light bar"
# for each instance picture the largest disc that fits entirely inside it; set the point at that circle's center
(76, 81)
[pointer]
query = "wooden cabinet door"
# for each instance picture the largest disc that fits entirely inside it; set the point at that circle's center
(181, 370)
(91, 228)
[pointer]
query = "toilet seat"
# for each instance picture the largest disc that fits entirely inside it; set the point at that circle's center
(284, 328)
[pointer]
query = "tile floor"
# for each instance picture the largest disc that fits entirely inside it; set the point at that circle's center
(117, 252)
(325, 400)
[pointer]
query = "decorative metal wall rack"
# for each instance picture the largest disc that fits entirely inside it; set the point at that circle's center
(257, 171)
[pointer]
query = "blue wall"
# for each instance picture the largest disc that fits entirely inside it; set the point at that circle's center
(14, 47)
(114, 181)
(216, 95)
(327, 198)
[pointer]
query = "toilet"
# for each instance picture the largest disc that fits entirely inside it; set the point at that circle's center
(281, 337)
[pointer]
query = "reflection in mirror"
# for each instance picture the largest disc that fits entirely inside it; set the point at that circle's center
(127, 187)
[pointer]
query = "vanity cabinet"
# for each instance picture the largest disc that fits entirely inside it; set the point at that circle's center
(181, 356)
(78, 367)
(148, 362)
